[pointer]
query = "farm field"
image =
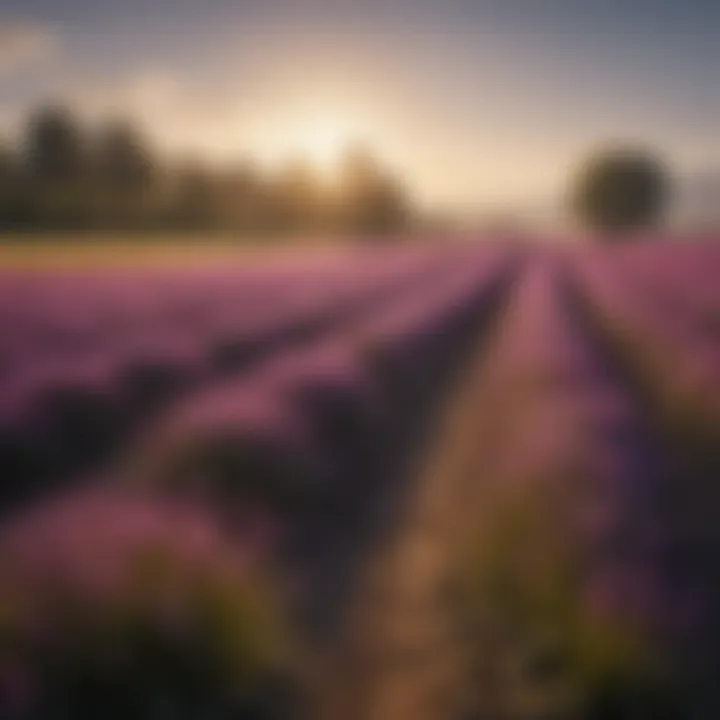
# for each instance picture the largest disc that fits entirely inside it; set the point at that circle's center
(101, 250)
(460, 481)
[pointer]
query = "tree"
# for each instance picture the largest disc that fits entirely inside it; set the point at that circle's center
(620, 190)
(295, 198)
(8, 184)
(67, 178)
(54, 151)
(124, 172)
(240, 195)
(56, 168)
(371, 201)
(123, 161)
(194, 202)
(7, 164)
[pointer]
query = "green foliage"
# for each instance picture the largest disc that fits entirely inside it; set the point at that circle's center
(620, 190)
(55, 150)
(531, 630)
(67, 178)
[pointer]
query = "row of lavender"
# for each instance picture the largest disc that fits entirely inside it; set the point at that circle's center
(246, 401)
(90, 359)
(590, 589)
(590, 581)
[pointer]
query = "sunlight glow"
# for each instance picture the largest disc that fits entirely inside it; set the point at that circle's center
(322, 140)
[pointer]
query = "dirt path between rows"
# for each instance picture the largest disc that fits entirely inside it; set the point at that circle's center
(399, 658)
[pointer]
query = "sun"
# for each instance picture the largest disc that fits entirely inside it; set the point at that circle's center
(322, 140)
(313, 135)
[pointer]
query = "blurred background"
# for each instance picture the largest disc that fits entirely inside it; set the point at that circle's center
(308, 118)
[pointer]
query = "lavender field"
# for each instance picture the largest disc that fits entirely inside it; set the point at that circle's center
(459, 481)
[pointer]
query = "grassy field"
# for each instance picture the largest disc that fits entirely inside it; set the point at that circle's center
(73, 251)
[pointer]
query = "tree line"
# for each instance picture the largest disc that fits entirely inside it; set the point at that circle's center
(64, 176)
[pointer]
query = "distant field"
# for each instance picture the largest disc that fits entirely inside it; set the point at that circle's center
(57, 251)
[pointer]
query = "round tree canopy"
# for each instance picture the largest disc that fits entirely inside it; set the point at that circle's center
(620, 189)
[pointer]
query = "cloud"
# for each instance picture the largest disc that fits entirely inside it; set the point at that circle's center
(22, 45)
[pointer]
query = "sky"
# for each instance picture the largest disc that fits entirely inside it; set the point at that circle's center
(474, 103)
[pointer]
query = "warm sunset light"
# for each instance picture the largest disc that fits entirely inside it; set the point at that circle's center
(321, 140)
(359, 360)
